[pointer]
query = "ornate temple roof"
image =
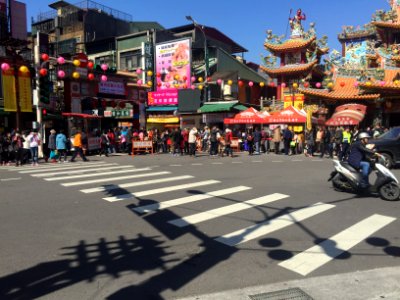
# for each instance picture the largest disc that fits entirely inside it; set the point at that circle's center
(388, 84)
(347, 92)
(289, 45)
(292, 70)
(386, 25)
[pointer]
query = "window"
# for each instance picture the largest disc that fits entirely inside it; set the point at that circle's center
(107, 59)
(130, 60)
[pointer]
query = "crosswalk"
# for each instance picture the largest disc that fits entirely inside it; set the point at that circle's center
(114, 183)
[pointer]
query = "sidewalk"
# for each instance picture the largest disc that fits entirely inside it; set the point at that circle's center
(366, 285)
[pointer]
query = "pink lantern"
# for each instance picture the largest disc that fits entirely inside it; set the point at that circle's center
(356, 84)
(104, 67)
(61, 74)
(167, 85)
(5, 66)
(193, 79)
(139, 71)
(283, 85)
(140, 82)
(61, 60)
(382, 83)
(318, 85)
(103, 78)
(219, 81)
(251, 83)
(193, 87)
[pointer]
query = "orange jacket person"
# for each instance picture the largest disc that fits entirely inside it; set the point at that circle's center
(78, 146)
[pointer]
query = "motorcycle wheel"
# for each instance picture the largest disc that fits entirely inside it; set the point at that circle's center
(390, 191)
(340, 183)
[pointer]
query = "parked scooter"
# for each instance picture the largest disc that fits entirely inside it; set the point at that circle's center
(347, 179)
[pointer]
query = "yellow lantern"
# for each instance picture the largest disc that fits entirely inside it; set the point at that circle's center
(76, 62)
(262, 84)
(24, 69)
(230, 82)
(330, 85)
(149, 83)
(200, 79)
(368, 83)
(149, 73)
(295, 85)
(176, 77)
(200, 87)
(76, 75)
(396, 82)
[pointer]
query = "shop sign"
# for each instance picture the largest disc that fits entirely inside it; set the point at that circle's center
(163, 119)
(112, 87)
(297, 100)
(165, 97)
(25, 91)
(119, 113)
(148, 56)
(9, 92)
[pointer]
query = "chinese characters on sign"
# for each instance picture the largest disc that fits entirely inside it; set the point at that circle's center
(112, 87)
(168, 97)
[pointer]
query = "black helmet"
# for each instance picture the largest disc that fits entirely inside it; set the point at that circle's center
(363, 135)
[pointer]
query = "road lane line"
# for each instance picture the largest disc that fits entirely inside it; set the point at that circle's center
(161, 190)
(80, 171)
(230, 209)
(316, 256)
(11, 179)
(75, 183)
(133, 184)
(96, 174)
(64, 167)
(28, 166)
(271, 225)
(189, 199)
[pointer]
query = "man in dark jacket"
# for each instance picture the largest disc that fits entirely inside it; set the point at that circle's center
(257, 140)
(287, 138)
(358, 157)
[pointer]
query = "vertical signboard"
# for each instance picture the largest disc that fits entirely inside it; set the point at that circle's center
(9, 92)
(25, 91)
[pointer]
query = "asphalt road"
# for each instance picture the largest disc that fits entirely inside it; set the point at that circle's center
(165, 227)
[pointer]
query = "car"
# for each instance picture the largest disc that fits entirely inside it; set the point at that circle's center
(388, 144)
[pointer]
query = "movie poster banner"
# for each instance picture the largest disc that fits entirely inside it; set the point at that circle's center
(9, 92)
(173, 64)
(25, 91)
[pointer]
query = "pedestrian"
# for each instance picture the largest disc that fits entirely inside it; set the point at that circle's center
(346, 141)
(326, 138)
(205, 139)
(17, 143)
(338, 141)
(26, 152)
(310, 143)
(319, 139)
(250, 141)
(257, 140)
(192, 139)
(34, 142)
(52, 146)
(228, 142)
(177, 138)
(61, 146)
(214, 141)
(78, 146)
(104, 144)
(111, 138)
(2, 150)
(277, 139)
(185, 140)
(287, 138)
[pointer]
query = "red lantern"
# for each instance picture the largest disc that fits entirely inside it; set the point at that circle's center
(158, 75)
(113, 104)
(240, 83)
(272, 84)
(122, 104)
(45, 57)
(90, 76)
(43, 72)
(90, 65)
(159, 84)
(342, 83)
(306, 84)
(184, 77)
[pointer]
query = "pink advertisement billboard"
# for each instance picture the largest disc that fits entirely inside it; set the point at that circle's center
(173, 70)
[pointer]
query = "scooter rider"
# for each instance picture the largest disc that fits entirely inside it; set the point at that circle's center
(358, 157)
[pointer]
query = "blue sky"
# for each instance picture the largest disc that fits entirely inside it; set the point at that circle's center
(244, 21)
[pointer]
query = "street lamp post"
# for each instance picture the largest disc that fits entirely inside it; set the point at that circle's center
(206, 62)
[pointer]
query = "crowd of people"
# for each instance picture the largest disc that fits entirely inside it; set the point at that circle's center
(21, 148)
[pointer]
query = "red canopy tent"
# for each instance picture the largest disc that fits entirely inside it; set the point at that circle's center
(249, 116)
(347, 115)
(289, 115)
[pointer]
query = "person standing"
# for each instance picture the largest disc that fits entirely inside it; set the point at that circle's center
(310, 143)
(185, 138)
(34, 142)
(61, 146)
(104, 144)
(326, 139)
(277, 138)
(257, 140)
(250, 142)
(192, 138)
(228, 142)
(78, 146)
(111, 138)
(346, 141)
(287, 138)
(214, 141)
(177, 137)
(17, 143)
(52, 146)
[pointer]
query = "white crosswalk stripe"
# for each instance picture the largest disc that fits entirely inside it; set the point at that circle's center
(96, 174)
(49, 166)
(81, 170)
(160, 190)
(315, 257)
(189, 199)
(113, 179)
(218, 212)
(133, 184)
(64, 167)
(271, 225)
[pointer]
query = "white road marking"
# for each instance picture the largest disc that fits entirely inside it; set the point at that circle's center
(160, 190)
(277, 161)
(218, 212)
(256, 161)
(217, 163)
(11, 179)
(96, 174)
(28, 166)
(237, 162)
(297, 160)
(138, 183)
(316, 256)
(64, 167)
(114, 178)
(271, 225)
(199, 164)
(175, 165)
(189, 199)
(82, 170)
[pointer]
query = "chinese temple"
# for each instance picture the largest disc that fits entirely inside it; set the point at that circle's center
(367, 71)
(295, 60)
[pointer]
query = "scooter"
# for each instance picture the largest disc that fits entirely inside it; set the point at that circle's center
(347, 179)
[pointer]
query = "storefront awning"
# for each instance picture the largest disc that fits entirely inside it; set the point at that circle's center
(249, 116)
(221, 107)
(348, 114)
(84, 116)
(161, 108)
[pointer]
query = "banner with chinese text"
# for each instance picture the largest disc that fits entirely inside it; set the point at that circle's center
(9, 92)
(25, 91)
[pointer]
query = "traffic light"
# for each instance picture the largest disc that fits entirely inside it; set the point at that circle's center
(44, 112)
(45, 87)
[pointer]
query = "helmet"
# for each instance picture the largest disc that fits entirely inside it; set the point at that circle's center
(364, 135)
